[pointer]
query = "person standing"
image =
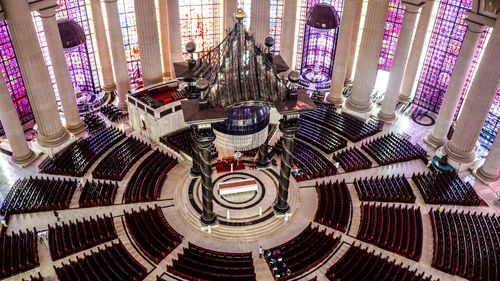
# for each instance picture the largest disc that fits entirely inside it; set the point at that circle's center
(261, 251)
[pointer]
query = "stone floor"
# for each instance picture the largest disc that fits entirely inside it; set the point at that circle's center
(273, 231)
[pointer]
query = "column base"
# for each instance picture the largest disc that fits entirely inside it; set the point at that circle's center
(51, 151)
(486, 178)
(281, 210)
(109, 88)
(433, 142)
(194, 172)
(386, 118)
(75, 130)
(24, 161)
(363, 116)
(458, 156)
(53, 141)
(337, 101)
(208, 221)
(404, 99)
(359, 108)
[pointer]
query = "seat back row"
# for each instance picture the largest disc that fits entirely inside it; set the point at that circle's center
(18, 252)
(385, 189)
(334, 205)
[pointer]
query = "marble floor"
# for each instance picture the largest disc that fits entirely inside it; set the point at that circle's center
(181, 212)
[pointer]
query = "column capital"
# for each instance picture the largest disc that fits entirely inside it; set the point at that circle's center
(109, 1)
(48, 12)
(473, 26)
(413, 6)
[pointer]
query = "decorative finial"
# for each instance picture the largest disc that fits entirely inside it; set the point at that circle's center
(239, 14)
(190, 47)
(269, 41)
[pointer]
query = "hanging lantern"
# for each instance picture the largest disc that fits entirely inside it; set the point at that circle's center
(72, 34)
(323, 17)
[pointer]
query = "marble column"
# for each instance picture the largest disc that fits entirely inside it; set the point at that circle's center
(21, 153)
(102, 47)
(195, 168)
(490, 170)
(174, 31)
(63, 81)
(149, 41)
(288, 31)
(461, 147)
(416, 51)
(344, 46)
(120, 68)
(205, 138)
(369, 52)
(259, 20)
(263, 160)
(450, 102)
(349, 74)
(387, 112)
(164, 37)
(229, 7)
(51, 132)
(289, 126)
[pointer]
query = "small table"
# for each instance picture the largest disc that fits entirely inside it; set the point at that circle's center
(237, 186)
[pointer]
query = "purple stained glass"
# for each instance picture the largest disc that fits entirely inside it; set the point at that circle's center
(12, 76)
(392, 28)
(491, 126)
(130, 40)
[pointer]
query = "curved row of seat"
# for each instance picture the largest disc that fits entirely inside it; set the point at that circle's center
(321, 137)
(152, 233)
(110, 263)
(445, 188)
(301, 254)
(346, 125)
(466, 244)
(394, 228)
(334, 205)
(352, 159)
(18, 252)
(67, 239)
(97, 193)
(34, 195)
(360, 264)
(197, 263)
(146, 182)
(37, 277)
(117, 163)
(76, 159)
(182, 141)
(311, 163)
(392, 148)
(388, 189)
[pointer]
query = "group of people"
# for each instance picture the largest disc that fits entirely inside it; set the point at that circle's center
(276, 263)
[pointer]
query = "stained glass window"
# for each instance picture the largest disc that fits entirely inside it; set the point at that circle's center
(81, 61)
(391, 34)
(492, 123)
(316, 50)
(200, 22)
(444, 46)
(12, 75)
(275, 23)
(130, 41)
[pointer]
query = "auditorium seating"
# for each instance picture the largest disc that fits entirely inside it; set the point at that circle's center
(445, 188)
(97, 193)
(321, 137)
(113, 113)
(152, 233)
(94, 122)
(34, 195)
(117, 163)
(37, 277)
(181, 141)
(146, 183)
(385, 189)
(19, 252)
(346, 125)
(300, 254)
(352, 159)
(67, 239)
(392, 148)
(334, 205)
(110, 263)
(361, 264)
(76, 159)
(466, 244)
(197, 263)
(394, 228)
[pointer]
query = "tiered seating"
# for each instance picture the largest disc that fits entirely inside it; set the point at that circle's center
(352, 159)
(181, 141)
(37, 277)
(334, 205)
(388, 189)
(97, 193)
(393, 148)
(300, 254)
(152, 233)
(111, 263)
(67, 239)
(467, 244)
(113, 113)
(445, 188)
(94, 122)
(321, 137)
(18, 252)
(34, 195)
(146, 183)
(360, 264)
(79, 156)
(197, 263)
(396, 229)
(310, 162)
(346, 125)
(117, 163)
